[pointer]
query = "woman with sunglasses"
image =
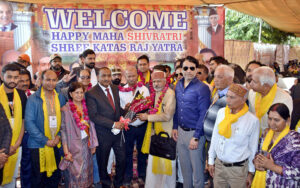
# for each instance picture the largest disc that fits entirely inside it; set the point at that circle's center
(277, 163)
(79, 139)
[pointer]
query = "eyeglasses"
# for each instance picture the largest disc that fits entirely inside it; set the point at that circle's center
(85, 77)
(176, 75)
(191, 68)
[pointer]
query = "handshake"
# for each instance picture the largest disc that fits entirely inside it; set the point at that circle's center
(122, 124)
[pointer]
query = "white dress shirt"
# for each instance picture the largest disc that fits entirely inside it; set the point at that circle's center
(242, 144)
(94, 79)
(7, 27)
(127, 97)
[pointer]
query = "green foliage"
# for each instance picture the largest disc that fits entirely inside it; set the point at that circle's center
(239, 26)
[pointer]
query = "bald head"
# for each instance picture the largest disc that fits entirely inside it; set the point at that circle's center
(223, 76)
(131, 75)
(49, 80)
(265, 75)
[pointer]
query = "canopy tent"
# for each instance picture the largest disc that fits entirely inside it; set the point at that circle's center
(281, 14)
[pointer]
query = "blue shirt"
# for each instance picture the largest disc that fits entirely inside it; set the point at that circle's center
(223, 92)
(192, 103)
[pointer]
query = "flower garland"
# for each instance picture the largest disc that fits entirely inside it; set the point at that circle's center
(89, 87)
(154, 110)
(81, 122)
(28, 92)
(128, 89)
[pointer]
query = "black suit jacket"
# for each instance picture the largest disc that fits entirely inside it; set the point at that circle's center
(210, 29)
(99, 109)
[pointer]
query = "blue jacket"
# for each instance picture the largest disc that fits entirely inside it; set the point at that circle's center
(34, 119)
(192, 103)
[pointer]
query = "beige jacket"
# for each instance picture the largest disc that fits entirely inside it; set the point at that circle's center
(168, 110)
(280, 97)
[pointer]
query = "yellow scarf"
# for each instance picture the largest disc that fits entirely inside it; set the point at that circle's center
(159, 165)
(47, 156)
(297, 126)
(262, 104)
(225, 124)
(214, 91)
(147, 79)
(10, 165)
(260, 176)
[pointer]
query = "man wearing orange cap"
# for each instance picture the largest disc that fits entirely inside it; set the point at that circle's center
(234, 141)
(24, 60)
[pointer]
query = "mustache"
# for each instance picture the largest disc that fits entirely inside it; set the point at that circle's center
(8, 85)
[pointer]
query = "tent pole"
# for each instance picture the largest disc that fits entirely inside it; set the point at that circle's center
(259, 34)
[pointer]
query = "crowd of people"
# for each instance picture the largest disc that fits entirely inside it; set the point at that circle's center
(233, 128)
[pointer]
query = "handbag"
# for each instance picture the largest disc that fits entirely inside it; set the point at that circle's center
(164, 147)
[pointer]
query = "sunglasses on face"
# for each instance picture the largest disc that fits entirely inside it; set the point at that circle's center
(191, 68)
(85, 77)
(176, 75)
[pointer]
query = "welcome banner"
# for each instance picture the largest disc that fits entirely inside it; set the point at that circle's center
(117, 33)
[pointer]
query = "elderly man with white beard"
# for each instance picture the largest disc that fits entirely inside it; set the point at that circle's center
(160, 172)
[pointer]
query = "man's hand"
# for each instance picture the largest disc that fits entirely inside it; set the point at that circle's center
(211, 170)
(93, 150)
(142, 116)
(12, 150)
(118, 125)
(56, 140)
(50, 143)
(193, 144)
(175, 134)
(3, 157)
(249, 179)
(127, 107)
(133, 120)
(68, 77)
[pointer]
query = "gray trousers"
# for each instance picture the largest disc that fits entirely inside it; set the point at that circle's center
(192, 162)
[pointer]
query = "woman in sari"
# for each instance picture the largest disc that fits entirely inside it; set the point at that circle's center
(277, 162)
(78, 138)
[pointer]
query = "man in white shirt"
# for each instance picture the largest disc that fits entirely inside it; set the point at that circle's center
(234, 142)
(137, 128)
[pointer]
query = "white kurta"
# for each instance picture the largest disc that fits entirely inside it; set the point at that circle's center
(158, 180)
(280, 97)
(166, 117)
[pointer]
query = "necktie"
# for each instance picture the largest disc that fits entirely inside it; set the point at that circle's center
(110, 100)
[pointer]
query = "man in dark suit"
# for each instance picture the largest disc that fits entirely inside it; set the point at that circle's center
(217, 33)
(6, 13)
(103, 104)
